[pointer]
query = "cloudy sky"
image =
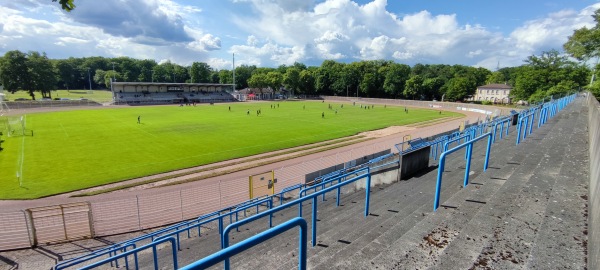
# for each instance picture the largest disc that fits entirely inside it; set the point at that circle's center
(274, 32)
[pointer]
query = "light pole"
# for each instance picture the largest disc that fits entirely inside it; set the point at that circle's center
(89, 79)
(114, 73)
(152, 76)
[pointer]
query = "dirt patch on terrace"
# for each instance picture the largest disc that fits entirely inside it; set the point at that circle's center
(385, 131)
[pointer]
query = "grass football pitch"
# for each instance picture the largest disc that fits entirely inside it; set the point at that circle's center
(72, 150)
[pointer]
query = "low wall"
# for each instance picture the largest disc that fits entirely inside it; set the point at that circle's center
(29, 104)
(456, 106)
(594, 188)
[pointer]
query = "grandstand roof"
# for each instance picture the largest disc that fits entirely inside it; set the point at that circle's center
(170, 84)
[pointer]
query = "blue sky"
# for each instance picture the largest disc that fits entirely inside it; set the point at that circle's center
(275, 32)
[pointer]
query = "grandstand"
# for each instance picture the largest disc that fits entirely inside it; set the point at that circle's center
(527, 210)
(141, 93)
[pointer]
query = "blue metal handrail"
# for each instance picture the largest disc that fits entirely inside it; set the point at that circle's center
(226, 253)
(152, 245)
(288, 189)
(338, 178)
(438, 186)
(122, 246)
(467, 137)
(299, 201)
(93, 255)
(218, 218)
(501, 122)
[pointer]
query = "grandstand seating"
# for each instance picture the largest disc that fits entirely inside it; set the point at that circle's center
(141, 98)
(501, 220)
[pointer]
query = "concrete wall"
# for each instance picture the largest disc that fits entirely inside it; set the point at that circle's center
(414, 162)
(382, 175)
(594, 188)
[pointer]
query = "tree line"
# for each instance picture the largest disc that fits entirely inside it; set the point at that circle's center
(550, 74)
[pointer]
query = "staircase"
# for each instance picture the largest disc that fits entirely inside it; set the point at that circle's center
(528, 210)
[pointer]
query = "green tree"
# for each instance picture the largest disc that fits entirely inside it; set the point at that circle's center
(307, 81)
(459, 88)
(200, 72)
(66, 5)
(109, 76)
(14, 72)
(396, 76)
(291, 79)
(274, 80)
(259, 81)
(225, 76)
(584, 44)
(66, 72)
(413, 87)
(242, 74)
(99, 76)
(496, 77)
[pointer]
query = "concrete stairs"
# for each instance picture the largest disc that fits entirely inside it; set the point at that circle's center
(526, 211)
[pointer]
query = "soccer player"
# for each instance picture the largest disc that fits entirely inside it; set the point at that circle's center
(139, 117)
(323, 115)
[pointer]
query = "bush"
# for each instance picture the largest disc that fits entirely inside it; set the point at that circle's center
(486, 102)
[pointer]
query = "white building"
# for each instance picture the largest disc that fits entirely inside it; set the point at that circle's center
(496, 93)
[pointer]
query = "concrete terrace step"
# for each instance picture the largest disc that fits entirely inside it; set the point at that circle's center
(361, 227)
(562, 228)
(381, 238)
(389, 238)
(419, 209)
(347, 216)
(349, 240)
(511, 208)
(359, 222)
(329, 243)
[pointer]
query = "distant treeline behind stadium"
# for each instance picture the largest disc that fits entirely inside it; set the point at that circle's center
(549, 74)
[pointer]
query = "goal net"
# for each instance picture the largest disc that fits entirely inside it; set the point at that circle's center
(15, 126)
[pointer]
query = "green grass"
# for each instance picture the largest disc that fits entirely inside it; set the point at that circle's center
(96, 95)
(72, 150)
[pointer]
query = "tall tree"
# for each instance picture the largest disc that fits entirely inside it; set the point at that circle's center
(396, 76)
(413, 87)
(14, 72)
(291, 79)
(200, 72)
(66, 5)
(584, 44)
(42, 74)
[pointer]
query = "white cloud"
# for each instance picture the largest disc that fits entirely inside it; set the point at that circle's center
(276, 32)
(552, 31)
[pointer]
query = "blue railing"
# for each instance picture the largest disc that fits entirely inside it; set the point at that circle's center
(438, 186)
(288, 189)
(501, 122)
(135, 251)
(219, 219)
(226, 253)
(330, 181)
(122, 246)
(299, 201)
(98, 253)
(544, 112)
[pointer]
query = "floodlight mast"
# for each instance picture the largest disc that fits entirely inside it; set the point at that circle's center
(89, 79)
(234, 72)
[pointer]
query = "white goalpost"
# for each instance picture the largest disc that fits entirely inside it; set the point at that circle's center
(3, 106)
(15, 126)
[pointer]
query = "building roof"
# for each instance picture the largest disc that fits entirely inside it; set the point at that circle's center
(171, 84)
(495, 86)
